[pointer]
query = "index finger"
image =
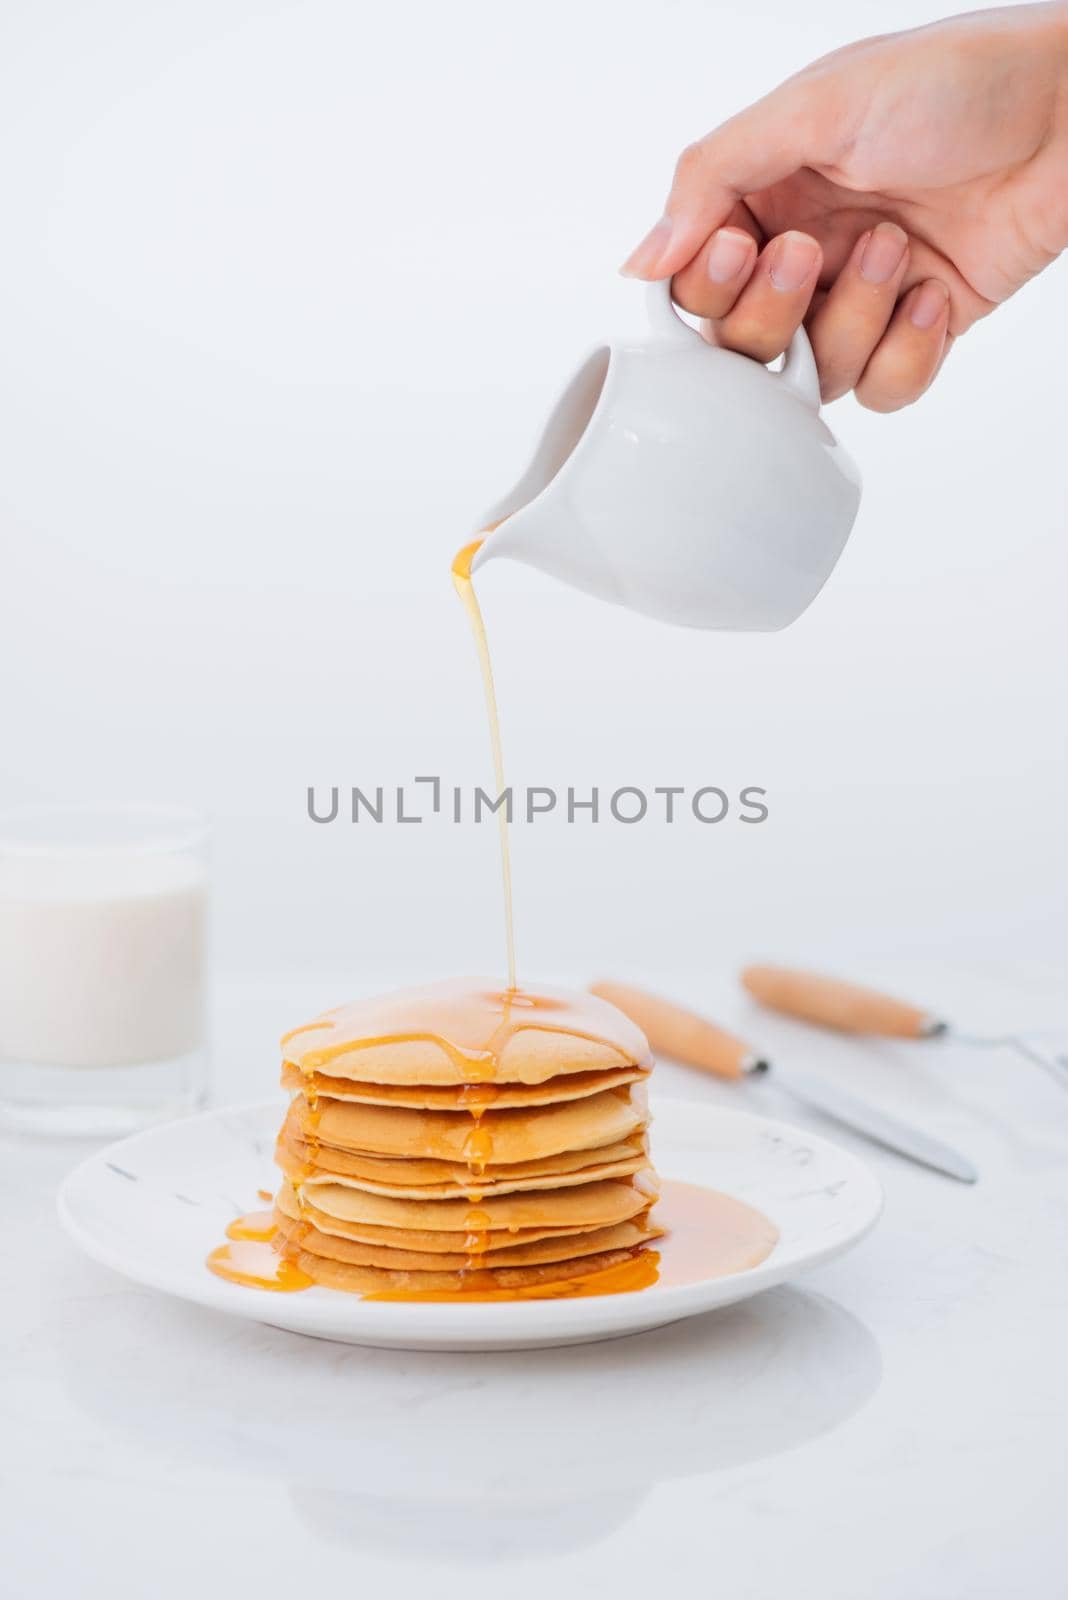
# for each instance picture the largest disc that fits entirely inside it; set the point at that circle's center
(760, 146)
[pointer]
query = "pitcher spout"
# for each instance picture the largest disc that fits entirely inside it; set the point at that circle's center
(508, 537)
(542, 535)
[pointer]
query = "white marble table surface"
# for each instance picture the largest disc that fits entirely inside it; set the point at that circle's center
(893, 1426)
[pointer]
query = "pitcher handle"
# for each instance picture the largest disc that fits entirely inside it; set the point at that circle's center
(798, 371)
(664, 318)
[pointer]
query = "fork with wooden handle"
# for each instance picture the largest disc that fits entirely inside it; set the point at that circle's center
(849, 1008)
(694, 1041)
(831, 1003)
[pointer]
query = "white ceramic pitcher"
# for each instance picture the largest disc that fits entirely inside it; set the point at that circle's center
(686, 482)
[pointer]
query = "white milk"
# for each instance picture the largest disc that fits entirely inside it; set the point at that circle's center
(101, 959)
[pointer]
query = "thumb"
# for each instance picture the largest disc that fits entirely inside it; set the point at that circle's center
(760, 146)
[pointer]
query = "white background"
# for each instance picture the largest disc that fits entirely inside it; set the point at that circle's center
(286, 291)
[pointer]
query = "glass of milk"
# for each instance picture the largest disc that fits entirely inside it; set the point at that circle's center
(103, 931)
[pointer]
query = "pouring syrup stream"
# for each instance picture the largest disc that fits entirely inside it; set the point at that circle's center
(461, 577)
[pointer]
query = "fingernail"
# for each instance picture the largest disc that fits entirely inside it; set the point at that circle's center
(793, 261)
(928, 304)
(645, 258)
(728, 253)
(883, 253)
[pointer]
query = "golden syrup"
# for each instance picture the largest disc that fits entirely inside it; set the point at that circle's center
(709, 1234)
(475, 1247)
(470, 1021)
(256, 1264)
(309, 1123)
(476, 1098)
(258, 1226)
(461, 577)
(477, 1238)
(309, 1132)
(311, 1097)
(478, 1149)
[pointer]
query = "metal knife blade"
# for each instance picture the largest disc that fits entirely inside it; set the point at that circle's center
(878, 1125)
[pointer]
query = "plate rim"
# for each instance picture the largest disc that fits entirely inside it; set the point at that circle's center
(456, 1324)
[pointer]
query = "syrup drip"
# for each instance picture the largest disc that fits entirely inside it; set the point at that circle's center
(312, 1143)
(477, 1241)
(478, 1150)
(461, 577)
(477, 1097)
(708, 1236)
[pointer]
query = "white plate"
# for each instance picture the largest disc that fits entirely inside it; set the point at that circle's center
(154, 1205)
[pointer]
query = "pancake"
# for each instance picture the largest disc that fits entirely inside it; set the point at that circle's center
(375, 1280)
(302, 1159)
(459, 1097)
(497, 1138)
(467, 1031)
(436, 1241)
(624, 1236)
(307, 1158)
(480, 1188)
(597, 1204)
(464, 1138)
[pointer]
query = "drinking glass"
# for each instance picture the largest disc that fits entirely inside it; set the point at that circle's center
(103, 944)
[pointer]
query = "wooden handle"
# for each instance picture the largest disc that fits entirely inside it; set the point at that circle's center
(683, 1035)
(833, 1004)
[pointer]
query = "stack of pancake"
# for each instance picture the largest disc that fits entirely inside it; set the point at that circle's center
(461, 1137)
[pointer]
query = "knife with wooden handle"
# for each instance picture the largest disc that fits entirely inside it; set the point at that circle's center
(680, 1034)
(832, 1003)
(695, 1042)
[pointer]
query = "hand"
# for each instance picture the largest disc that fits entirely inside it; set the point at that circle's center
(889, 196)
